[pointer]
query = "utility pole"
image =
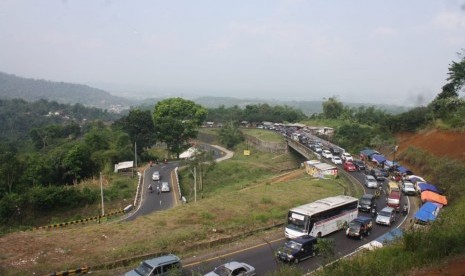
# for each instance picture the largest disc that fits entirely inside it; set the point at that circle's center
(135, 153)
(195, 184)
(101, 193)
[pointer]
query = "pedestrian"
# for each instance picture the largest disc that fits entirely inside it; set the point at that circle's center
(158, 189)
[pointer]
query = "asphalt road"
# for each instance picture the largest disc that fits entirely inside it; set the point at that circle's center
(152, 202)
(261, 256)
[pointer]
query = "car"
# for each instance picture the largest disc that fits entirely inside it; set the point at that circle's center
(163, 265)
(386, 216)
(318, 149)
(347, 157)
(393, 200)
(326, 154)
(377, 174)
(156, 176)
(366, 203)
(165, 187)
(335, 151)
(408, 188)
(359, 164)
(349, 166)
(336, 160)
(232, 268)
(298, 249)
(359, 227)
(370, 181)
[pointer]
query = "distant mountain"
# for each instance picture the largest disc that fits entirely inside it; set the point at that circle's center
(12, 87)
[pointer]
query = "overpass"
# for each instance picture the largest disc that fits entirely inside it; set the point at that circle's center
(303, 150)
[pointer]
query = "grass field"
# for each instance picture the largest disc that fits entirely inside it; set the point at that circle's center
(264, 135)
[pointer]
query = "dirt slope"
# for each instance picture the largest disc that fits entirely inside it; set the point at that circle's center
(441, 144)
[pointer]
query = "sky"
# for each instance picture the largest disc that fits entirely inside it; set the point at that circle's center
(383, 52)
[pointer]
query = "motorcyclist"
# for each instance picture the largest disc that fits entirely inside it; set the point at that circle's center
(405, 209)
(373, 211)
(150, 188)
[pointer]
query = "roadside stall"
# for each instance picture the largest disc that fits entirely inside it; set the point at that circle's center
(427, 212)
(429, 196)
(321, 170)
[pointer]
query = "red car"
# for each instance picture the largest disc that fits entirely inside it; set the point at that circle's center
(350, 167)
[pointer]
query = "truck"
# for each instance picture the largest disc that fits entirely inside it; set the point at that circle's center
(393, 200)
(359, 227)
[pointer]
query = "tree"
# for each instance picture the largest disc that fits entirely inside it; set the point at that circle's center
(332, 108)
(10, 170)
(78, 163)
(176, 121)
(457, 73)
(139, 125)
(230, 135)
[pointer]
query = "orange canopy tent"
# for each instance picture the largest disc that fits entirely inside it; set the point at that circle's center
(433, 197)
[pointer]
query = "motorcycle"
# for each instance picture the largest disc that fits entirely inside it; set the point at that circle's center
(405, 210)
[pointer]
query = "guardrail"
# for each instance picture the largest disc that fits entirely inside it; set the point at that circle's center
(77, 271)
(80, 221)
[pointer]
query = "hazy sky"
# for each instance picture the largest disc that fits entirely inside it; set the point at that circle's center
(392, 51)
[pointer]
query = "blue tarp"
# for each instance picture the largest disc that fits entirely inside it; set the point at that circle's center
(368, 152)
(378, 158)
(403, 169)
(427, 212)
(428, 187)
(390, 236)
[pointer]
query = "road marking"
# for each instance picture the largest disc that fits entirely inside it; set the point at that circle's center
(231, 253)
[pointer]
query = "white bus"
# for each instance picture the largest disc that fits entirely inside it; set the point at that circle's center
(321, 217)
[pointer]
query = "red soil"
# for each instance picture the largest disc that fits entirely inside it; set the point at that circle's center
(442, 144)
(439, 143)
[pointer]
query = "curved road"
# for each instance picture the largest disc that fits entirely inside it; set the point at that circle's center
(261, 256)
(152, 202)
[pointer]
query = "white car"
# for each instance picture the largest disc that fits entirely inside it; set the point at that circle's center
(156, 176)
(165, 187)
(370, 181)
(408, 188)
(336, 160)
(327, 154)
(233, 268)
(347, 157)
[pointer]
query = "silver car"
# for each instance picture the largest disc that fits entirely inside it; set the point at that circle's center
(165, 187)
(386, 216)
(156, 176)
(370, 181)
(233, 268)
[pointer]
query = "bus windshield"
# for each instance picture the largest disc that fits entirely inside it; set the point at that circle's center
(297, 222)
